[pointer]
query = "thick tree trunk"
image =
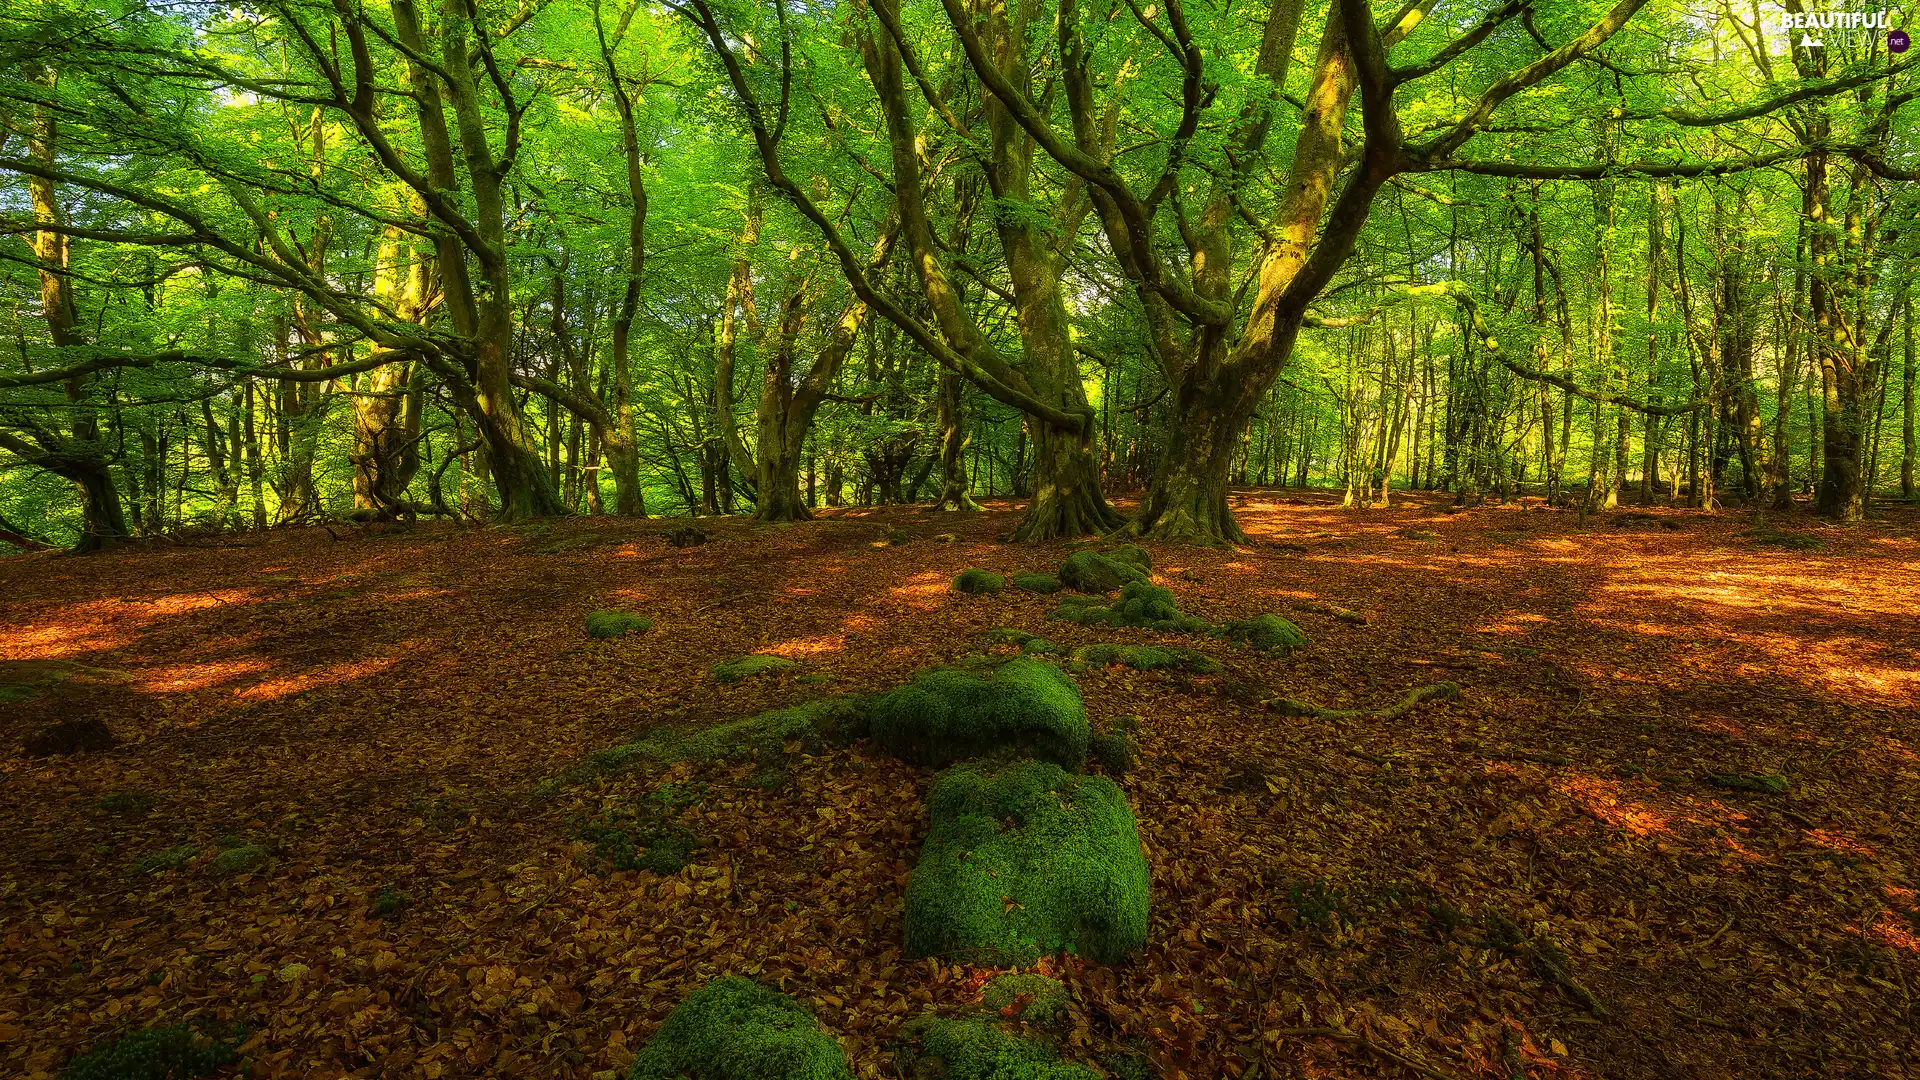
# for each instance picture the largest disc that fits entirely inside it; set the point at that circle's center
(1067, 501)
(954, 437)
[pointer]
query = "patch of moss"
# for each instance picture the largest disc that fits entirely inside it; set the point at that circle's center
(1092, 572)
(239, 858)
(649, 835)
(1036, 583)
(613, 624)
(1269, 633)
(746, 667)
(978, 582)
(1140, 604)
(814, 723)
(1133, 555)
(1113, 752)
(173, 1052)
(172, 858)
(1767, 536)
(388, 902)
(963, 711)
(1031, 644)
(1147, 658)
(736, 1029)
(973, 1049)
(1024, 860)
(1035, 998)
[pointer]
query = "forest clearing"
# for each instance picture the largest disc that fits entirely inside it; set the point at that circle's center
(382, 716)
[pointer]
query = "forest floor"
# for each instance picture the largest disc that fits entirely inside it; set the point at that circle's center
(1540, 879)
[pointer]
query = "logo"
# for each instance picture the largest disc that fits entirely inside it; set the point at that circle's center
(1818, 29)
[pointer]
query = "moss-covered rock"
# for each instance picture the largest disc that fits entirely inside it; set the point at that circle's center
(1029, 997)
(746, 667)
(612, 624)
(1092, 572)
(963, 711)
(1140, 604)
(1023, 860)
(977, 582)
(1133, 555)
(975, 1049)
(736, 1029)
(1147, 658)
(1269, 633)
(239, 858)
(1036, 583)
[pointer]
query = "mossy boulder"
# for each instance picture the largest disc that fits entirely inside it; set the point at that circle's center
(1133, 555)
(1092, 572)
(239, 858)
(1024, 860)
(172, 858)
(1140, 604)
(1029, 997)
(1147, 658)
(978, 582)
(746, 667)
(1036, 583)
(975, 1049)
(736, 1029)
(1268, 633)
(613, 624)
(1113, 752)
(951, 713)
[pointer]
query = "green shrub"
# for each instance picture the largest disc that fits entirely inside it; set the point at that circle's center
(746, 667)
(172, 858)
(1024, 860)
(1140, 604)
(1269, 633)
(1091, 572)
(1147, 658)
(736, 1029)
(951, 713)
(1045, 998)
(977, 581)
(174, 1052)
(1036, 583)
(978, 1050)
(612, 624)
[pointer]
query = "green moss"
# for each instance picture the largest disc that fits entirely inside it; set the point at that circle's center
(388, 902)
(746, 667)
(1036, 583)
(1140, 604)
(172, 858)
(1133, 555)
(239, 858)
(951, 713)
(1091, 572)
(736, 1029)
(978, 1050)
(612, 624)
(647, 835)
(974, 582)
(1147, 658)
(174, 1052)
(1045, 999)
(1024, 860)
(1269, 633)
(815, 723)
(1114, 752)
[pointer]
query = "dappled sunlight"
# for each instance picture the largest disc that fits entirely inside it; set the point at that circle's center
(1840, 841)
(288, 685)
(176, 678)
(1609, 802)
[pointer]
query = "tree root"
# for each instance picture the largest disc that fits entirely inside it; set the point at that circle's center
(1443, 691)
(1546, 958)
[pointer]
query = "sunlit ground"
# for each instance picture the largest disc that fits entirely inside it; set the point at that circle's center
(378, 711)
